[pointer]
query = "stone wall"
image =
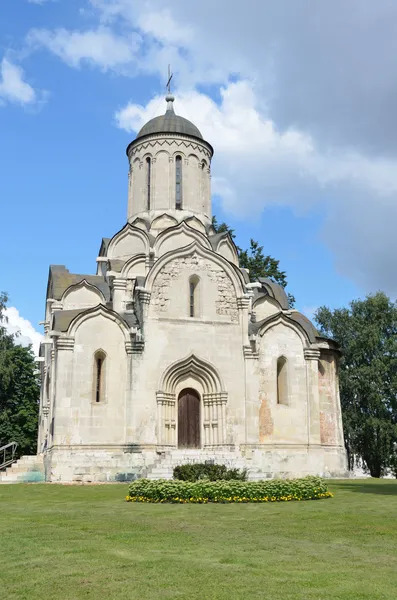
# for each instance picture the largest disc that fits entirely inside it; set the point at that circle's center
(279, 422)
(170, 292)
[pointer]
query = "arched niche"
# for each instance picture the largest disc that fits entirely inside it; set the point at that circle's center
(81, 295)
(227, 249)
(128, 242)
(264, 307)
(177, 237)
(134, 267)
(162, 222)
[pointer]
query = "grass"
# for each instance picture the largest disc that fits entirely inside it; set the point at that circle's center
(67, 542)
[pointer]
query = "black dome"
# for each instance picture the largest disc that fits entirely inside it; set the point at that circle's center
(169, 123)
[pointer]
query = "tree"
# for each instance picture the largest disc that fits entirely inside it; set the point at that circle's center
(367, 334)
(19, 391)
(255, 261)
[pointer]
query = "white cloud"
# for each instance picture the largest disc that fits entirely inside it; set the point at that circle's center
(311, 122)
(99, 47)
(13, 88)
(27, 334)
(256, 165)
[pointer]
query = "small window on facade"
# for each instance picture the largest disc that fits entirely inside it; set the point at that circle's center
(282, 381)
(193, 296)
(99, 376)
(148, 181)
(178, 182)
(321, 369)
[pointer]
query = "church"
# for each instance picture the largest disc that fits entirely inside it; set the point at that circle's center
(169, 354)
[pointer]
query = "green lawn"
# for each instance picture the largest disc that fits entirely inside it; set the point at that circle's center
(68, 542)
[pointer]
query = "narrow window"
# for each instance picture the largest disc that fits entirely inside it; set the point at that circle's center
(148, 180)
(178, 182)
(99, 376)
(321, 368)
(193, 296)
(282, 381)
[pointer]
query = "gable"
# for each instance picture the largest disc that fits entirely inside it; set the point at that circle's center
(81, 296)
(128, 242)
(216, 292)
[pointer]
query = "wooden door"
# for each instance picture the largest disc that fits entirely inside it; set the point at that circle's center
(188, 419)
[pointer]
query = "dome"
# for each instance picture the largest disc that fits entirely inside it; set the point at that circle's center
(169, 123)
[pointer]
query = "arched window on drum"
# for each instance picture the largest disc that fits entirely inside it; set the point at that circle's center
(178, 182)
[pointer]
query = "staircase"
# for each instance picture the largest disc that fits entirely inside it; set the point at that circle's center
(27, 469)
(163, 466)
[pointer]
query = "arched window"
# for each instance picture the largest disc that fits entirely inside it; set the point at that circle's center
(148, 181)
(99, 376)
(178, 182)
(194, 296)
(282, 381)
(321, 369)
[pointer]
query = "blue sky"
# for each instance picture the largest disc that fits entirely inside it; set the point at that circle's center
(300, 164)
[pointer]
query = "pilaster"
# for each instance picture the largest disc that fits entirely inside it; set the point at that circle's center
(312, 356)
(119, 293)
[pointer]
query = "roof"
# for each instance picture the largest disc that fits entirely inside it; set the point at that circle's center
(60, 279)
(274, 290)
(295, 316)
(63, 318)
(170, 123)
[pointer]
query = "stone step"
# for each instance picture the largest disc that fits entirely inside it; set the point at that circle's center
(18, 468)
(27, 469)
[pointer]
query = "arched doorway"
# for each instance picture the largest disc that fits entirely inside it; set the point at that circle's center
(188, 419)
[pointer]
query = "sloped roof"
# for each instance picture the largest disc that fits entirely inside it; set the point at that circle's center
(60, 279)
(274, 290)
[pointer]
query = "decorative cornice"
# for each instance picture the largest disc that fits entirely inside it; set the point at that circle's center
(215, 398)
(143, 294)
(137, 146)
(65, 343)
(311, 353)
(250, 353)
(119, 284)
(243, 303)
(165, 399)
(138, 346)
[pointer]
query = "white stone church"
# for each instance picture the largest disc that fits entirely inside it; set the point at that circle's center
(169, 354)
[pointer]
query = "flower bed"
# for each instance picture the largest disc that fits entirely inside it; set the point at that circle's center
(203, 491)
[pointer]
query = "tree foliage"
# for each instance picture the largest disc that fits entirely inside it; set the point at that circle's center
(367, 334)
(254, 259)
(19, 391)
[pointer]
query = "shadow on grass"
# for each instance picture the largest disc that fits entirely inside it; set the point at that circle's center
(373, 486)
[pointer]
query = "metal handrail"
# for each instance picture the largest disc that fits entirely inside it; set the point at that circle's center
(7, 454)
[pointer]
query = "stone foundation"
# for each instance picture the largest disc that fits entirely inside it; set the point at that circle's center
(118, 464)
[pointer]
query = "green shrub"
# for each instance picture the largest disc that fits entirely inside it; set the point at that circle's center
(197, 471)
(203, 491)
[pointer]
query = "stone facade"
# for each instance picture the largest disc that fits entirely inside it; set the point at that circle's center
(168, 311)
